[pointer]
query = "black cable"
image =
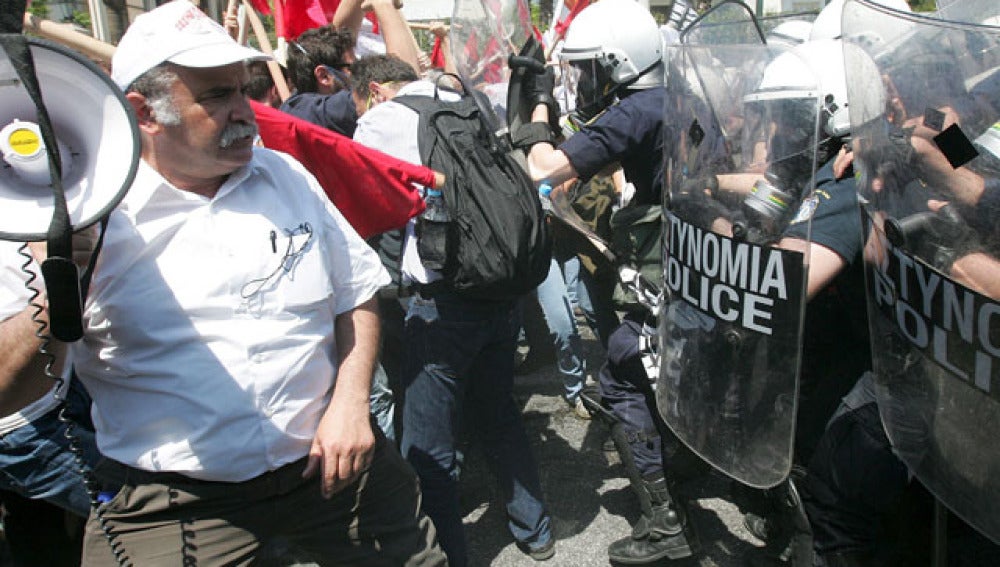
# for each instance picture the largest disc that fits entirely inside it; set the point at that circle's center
(41, 333)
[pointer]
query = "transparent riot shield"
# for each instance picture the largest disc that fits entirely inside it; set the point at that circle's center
(925, 113)
(739, 166)
(494, 49)
(484, 34)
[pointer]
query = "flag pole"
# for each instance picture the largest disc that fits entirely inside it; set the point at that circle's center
(66, 35)
(265, 46)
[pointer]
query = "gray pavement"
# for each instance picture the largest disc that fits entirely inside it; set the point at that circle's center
(585, 488)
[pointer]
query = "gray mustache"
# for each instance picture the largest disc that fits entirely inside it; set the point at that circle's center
(237, 131)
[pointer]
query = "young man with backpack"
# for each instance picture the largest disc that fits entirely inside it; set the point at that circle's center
(461, 326)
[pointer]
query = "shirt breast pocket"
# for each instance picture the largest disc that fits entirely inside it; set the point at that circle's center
(297, 280)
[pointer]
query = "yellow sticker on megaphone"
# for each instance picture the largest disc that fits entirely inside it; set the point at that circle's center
(24, 141)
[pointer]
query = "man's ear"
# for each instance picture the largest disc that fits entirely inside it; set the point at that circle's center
(376, 92)
(143, 112)
(322, 76)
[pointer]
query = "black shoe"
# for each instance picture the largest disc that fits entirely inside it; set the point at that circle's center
(647, 551)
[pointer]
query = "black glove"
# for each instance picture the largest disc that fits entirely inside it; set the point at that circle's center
(698, 209)
(538, 90)
(700, 185)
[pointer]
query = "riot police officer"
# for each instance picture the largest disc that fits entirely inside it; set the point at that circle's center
(613, 58)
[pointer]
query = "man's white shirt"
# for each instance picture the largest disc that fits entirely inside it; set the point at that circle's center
(209, 346)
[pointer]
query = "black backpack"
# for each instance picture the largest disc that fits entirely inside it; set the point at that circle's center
(495, 244)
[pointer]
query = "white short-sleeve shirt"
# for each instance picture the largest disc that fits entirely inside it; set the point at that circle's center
(209, 346)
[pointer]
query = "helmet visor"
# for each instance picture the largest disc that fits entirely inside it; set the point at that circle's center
(776, 129)
(589, 83)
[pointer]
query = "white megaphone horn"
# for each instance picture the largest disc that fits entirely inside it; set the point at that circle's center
(70, 147)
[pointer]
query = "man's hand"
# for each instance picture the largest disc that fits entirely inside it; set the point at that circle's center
(344, 443)
(439, 29)
(369, 5)
(342, 448)
(843, 162)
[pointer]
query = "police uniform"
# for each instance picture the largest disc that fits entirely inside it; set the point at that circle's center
(631, 133)
(836, 348)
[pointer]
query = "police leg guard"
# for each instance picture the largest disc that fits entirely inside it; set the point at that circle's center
(662, 531)
(789, 539)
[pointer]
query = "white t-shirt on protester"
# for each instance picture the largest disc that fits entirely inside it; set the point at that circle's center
(393, 129)
(209, 347)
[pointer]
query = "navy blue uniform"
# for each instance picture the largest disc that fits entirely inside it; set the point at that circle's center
(835, 345)
(334, 112)
(630, 133)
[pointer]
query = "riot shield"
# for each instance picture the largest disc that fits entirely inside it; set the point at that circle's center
(494, 49)
(484, 34)
(738, 168)
(925, 116)
(729, 22)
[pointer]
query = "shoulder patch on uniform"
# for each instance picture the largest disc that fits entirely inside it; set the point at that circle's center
(806, 209)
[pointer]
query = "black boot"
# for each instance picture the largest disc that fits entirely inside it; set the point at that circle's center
(660, 532)
(789, 536)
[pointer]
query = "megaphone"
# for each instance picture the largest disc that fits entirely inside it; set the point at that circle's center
(70, 150)
(97, 135)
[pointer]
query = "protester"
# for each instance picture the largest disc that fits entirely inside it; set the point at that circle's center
(459, 352)
(230, 337)
(261, 86)
(319, 63)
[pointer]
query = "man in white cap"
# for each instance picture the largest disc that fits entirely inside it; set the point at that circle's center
(231, 332)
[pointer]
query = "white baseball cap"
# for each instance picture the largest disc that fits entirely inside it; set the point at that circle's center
(177, 32)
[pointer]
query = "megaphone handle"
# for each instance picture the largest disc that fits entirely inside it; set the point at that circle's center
(62, 284)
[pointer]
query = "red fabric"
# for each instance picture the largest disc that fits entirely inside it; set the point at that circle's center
(301, 15)
(563, 25)
(261, 6)
(437, 54)
(279, 19)
(374, 191)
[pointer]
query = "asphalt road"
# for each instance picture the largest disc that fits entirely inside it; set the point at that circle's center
(585, 488)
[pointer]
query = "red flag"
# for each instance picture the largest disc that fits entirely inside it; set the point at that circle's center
(261, 6)
(374, 191)
(301, 15)
(575, 9)
(437, 54)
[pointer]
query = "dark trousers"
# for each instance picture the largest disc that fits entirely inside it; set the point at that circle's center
(627, 392)
(855, 482)
(40, 534)
(167, 519)
(460, 364)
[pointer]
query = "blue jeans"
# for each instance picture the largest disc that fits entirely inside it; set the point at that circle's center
(558, 312)
(35, 460)
(460, 366)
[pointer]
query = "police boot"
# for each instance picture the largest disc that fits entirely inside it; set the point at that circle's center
(660, 532)
(789, 537)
